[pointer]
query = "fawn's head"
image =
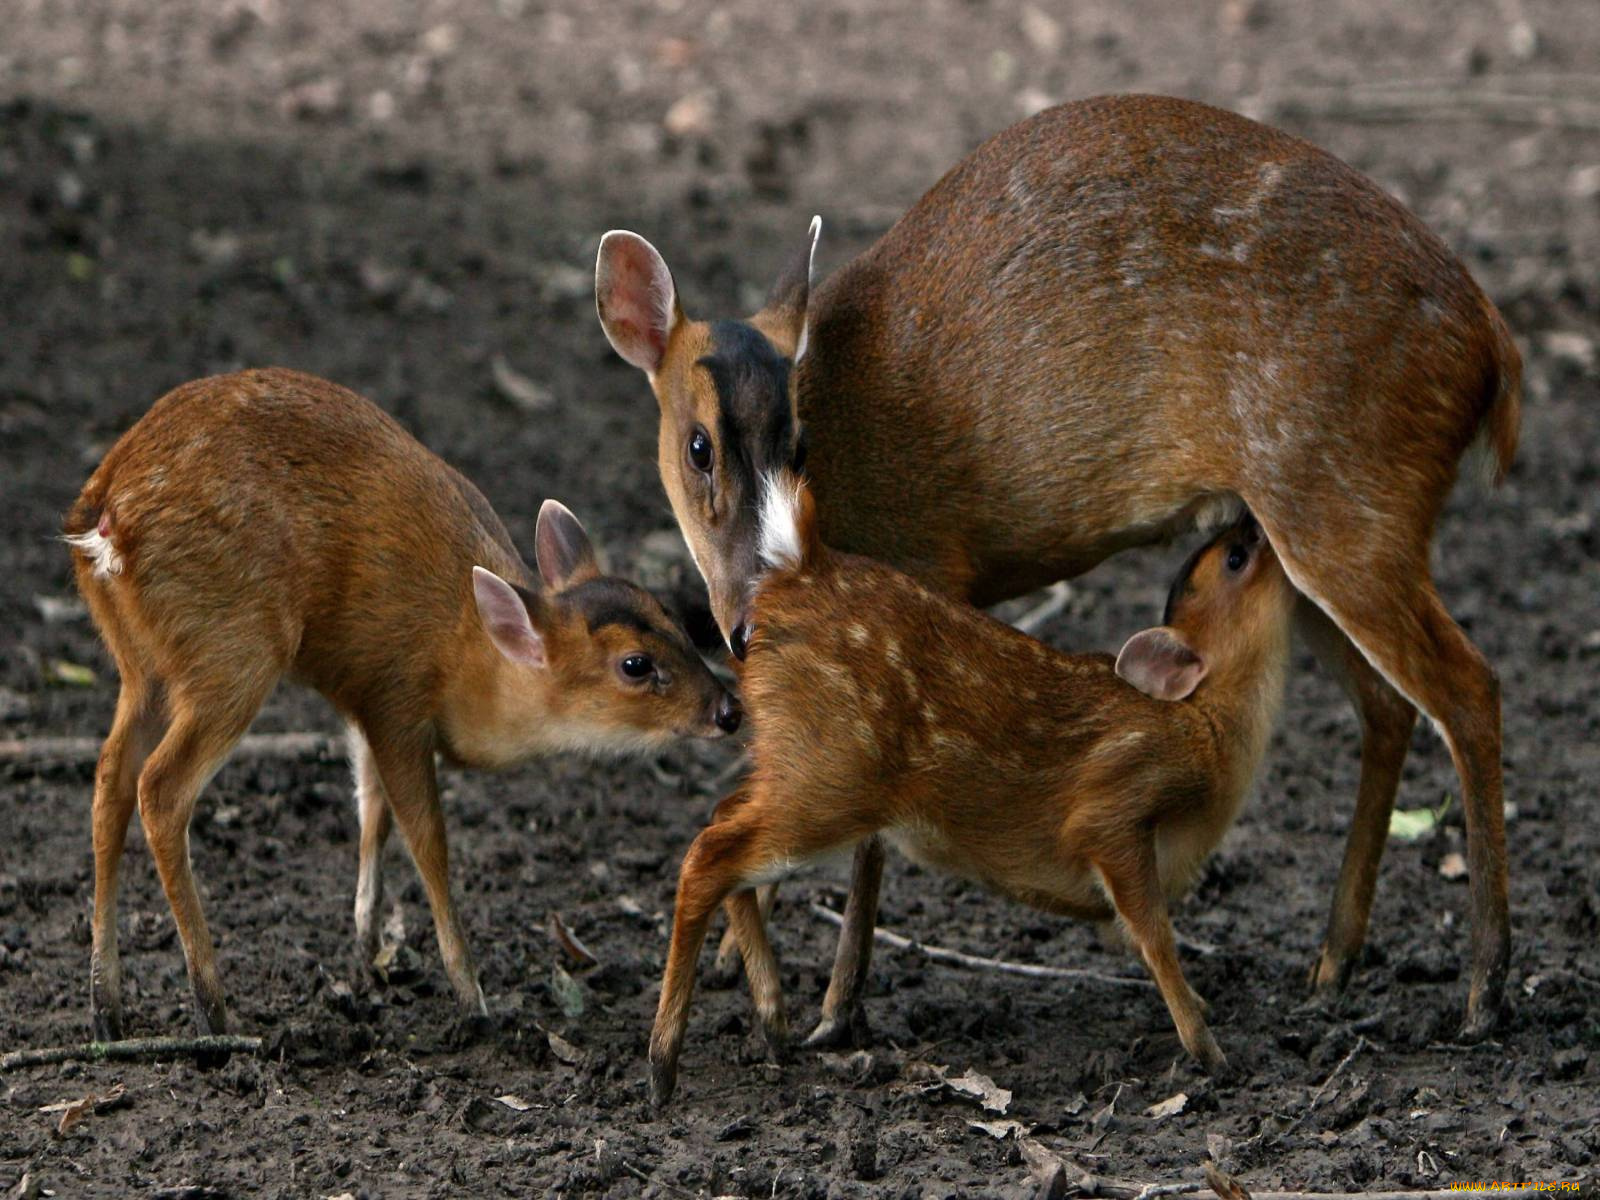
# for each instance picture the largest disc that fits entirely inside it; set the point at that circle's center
(591, 661)
(727, 395)
(1229, 607)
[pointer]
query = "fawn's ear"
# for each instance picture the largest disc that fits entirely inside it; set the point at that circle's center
(1161, 664)
(561, 547)
(506, 620)
(636, 300)
(783, 318)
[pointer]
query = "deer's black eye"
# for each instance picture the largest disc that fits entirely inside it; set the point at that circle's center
(637, 666)
(1237, 557)
(700, 450)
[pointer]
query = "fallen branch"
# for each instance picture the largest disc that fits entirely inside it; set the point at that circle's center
(979, 963)
(131, 1049)
(70, 750)
(1152, 1190)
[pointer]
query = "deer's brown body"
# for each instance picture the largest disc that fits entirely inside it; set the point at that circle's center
(882, 708)
(272, 524)
(1109, 321)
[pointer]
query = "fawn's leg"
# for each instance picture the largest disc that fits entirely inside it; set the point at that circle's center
(1131, 877)
(373, 806)
(749, 926)
(726, 966)
(405, 765)
(135, 730)
(843, 1019)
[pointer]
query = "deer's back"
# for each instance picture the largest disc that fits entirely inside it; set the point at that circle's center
(1111, 309)
(294, 507)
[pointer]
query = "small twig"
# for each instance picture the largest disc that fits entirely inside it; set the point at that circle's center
(1059, 596)
(131, 1048)
(644, 1177)
(69, 750)
(1316, 1096)
(979, 963)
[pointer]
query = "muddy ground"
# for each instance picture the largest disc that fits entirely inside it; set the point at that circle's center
(399, 196)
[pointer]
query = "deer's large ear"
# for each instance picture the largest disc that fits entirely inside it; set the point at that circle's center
(636, 300)
(505, 619)
(1161, 664)
(783, 318)
(561, 547)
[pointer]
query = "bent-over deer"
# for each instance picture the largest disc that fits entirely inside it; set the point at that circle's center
(880, 707)
(270, 523)
(1110, 321)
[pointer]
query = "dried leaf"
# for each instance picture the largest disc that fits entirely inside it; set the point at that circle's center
(567, 992)
(1102, 1119)
(74, 1111)
(397, 964)
(1054, 1176)
(55, 609)
(690, 115)
(1224, 1185)
(570, 945)
(564, 1050)
(1408, 824)
(394, 926)
(72, 674)
(1453, 866)
(516, 387)
(991, 1097)
(515, 1103)
(999, 1130)
(1170, 1107)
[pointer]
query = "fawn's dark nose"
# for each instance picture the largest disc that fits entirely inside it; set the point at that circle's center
(739, 642)
(729, 714)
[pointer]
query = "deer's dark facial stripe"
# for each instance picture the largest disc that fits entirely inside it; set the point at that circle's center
(1181, 583)
(756, 420)
(1244, 530)
(608, 601)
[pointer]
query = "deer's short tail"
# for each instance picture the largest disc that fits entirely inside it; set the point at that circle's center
(1496, 443)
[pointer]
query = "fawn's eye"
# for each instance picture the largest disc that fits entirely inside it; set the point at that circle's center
(637, 666)
(700, 450)
(1237, 557)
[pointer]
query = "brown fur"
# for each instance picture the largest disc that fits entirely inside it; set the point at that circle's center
(1105, 319)
(983, 752)
(271, 523)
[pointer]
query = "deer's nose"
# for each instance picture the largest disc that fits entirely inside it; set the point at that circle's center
(729, 714)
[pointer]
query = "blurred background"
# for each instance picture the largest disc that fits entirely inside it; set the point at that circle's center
(406, 196)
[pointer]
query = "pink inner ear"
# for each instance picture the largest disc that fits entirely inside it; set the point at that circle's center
(637, 301)
(505, 619)
(1160, 664)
